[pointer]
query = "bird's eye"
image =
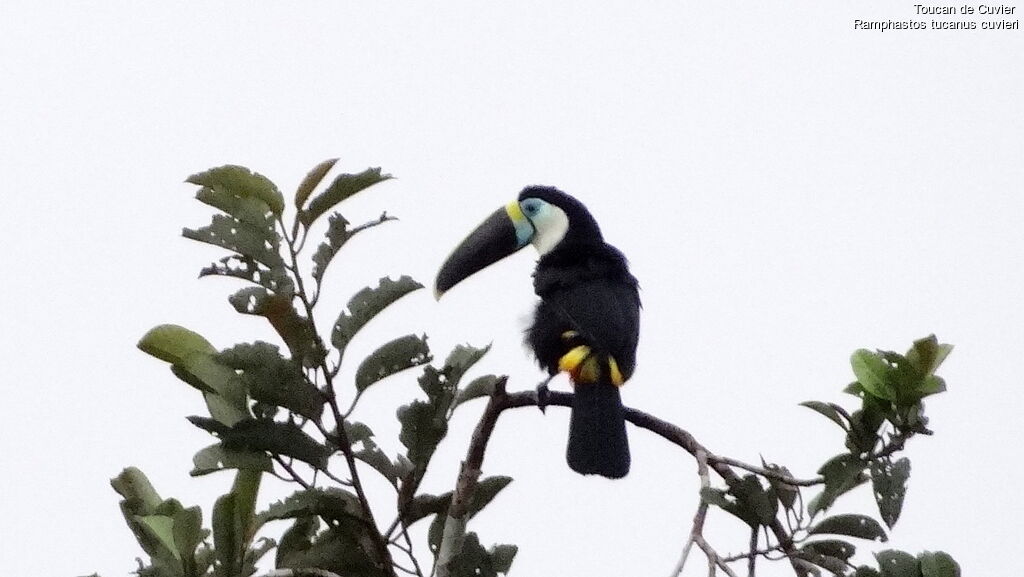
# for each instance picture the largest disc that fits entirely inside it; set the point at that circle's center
(531, 207)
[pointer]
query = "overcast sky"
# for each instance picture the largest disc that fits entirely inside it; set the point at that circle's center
(788, 189)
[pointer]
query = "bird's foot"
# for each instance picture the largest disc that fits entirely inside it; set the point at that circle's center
(542, 395)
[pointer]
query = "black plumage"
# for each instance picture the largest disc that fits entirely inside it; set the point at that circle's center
(588, 298)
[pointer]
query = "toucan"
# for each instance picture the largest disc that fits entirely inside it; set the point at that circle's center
(587, 321)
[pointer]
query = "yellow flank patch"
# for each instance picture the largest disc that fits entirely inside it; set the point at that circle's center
(515, 212)
(572, 360)
(616, 374)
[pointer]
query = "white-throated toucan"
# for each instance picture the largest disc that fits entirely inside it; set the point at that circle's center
(587, 322)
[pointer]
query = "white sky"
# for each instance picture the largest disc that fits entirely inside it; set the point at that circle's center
(787, 189)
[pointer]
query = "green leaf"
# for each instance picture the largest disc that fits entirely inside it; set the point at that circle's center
(350, 552)
(188, 533)
(475, 561)
(173, 343)
(889, 483)
(502, 557)
(842, 473)
(226, 540)
(138, 492)
(343, 186)
(367, 304)
(865, 571)
(831, 548)
(338, 234)
(746, 500)
(212, 426)
(297, 539)
(245, 268)
(460, 360)
(786, 493)
(278, 439)
(238, 181)
(938, 564)
(892, 563)
(478, 387)
(368, 452)
(312, 180)
(873, 373)
(216, 458)
(927, 354)
(931, 385)
(395, 356)
(834, 565)
(161, 528)
(486, 490)
(274, 380)
(251, 211)
(293, 328)
(260, 244)
(223, 390)
(422, 429)
(830, 410)
(332, 503)
(860, 526)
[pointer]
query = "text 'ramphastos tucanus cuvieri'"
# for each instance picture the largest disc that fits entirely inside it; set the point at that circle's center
(587, 321)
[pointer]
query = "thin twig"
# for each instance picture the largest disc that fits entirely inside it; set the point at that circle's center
(668, 431)
(766, 472)
(300, 573)
(698, 519)
(341, 440)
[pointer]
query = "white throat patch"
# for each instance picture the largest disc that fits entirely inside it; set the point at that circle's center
(551, 226)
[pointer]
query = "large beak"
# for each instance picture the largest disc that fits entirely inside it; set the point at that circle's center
(503, 233)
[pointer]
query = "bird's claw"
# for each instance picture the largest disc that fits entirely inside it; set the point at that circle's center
(542, 396)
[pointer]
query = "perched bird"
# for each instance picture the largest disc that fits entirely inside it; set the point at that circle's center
(588, 318)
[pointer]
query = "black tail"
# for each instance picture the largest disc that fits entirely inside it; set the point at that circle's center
(597, 432)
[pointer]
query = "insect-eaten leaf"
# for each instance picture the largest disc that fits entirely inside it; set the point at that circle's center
(423, 427)
(240, 182)
(842, 473)
(342, 187)
(748, 501)
(293, 328)
(260, 244)
(860, 526)
(273, 379)
(392, 357)
(889, 483)
(460, 360)
(285, 439)
(786, 492)
(216, 458)
(425, 504)
(297, 539)
(475, 561)
(831, 548)
(242, 267)
(348, 551)
(338, 233)
(367, 304)
(478, 387)
(367, 451)
(332, 503)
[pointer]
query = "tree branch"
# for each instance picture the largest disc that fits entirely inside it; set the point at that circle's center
(500, 400)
